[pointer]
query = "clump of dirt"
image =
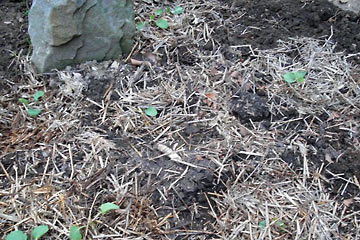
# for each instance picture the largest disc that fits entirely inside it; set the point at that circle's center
(249, 107)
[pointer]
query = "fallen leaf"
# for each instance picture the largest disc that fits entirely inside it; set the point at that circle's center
(235, 74)
(199, 157)
(348, 202)
(139, 58)
(211, 96)
(333, 115)
(135, 62)
(149, 56)
(214, 72)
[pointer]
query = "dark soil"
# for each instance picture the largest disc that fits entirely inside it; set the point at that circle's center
(13, 36)
(262, 25)
(265, 22)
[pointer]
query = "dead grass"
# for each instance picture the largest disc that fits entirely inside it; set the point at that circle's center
(82, 151)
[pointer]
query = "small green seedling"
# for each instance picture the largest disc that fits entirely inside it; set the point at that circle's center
(16, 235)
(262, 224)
(31, 111)
(28, 41)
(159, 11)
(104, 208)
(140, 26)
(39, 231)
(161, 23)
(177, 10)
(281, 225)
(278, 223)
(75, 233)
(151, 111)
(292, 77)
(38, 95)
(24, 101)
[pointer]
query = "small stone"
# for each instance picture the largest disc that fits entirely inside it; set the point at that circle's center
(357, 36)
(343, 1)
(115, 65)
(208, 46)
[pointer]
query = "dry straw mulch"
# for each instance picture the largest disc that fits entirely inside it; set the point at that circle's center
(87, 149)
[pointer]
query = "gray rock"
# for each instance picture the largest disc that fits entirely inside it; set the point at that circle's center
(348, 5)
(66, 32)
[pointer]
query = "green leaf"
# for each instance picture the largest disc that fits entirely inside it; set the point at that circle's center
(159, 12)
(280, 224)
(177, 10)
(162, 23)
(33, 112)
(289, 77)
(107, 207)
(151, 112)
(262, 224)
(292, 77)
(24, 101)
(16, 235)
(152, 17)
(38, 95)
(75, 233)
(140, 26)
(299, 75)
(39, 231)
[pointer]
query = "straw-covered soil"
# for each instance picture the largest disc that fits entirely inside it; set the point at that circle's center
(234, 152)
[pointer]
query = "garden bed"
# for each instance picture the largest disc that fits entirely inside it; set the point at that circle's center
(234, 151)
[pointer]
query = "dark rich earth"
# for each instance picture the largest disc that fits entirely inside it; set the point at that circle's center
(13, 35)
(269, 21)
(274, 20)
(265, 22)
